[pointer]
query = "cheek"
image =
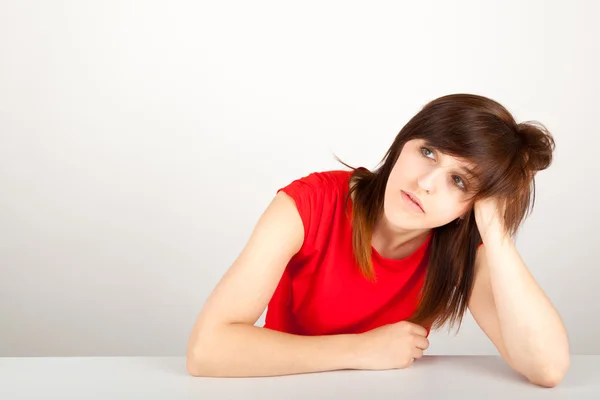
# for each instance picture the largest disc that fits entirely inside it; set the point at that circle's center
(450, 209)
(390, 203)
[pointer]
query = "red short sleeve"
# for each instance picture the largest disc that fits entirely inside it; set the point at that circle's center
(311, 194)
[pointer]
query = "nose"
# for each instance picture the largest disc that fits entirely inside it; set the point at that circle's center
(427, 180)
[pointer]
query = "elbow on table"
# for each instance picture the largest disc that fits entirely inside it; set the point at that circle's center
(202, 355)
(550, 375)
(191, 365)
(197, 363)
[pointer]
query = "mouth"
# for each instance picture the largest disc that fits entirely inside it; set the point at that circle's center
(414, 200)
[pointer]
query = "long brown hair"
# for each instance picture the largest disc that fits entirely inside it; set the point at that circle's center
(507, 155)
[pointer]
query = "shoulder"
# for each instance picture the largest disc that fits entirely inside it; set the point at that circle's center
(328, 178)
(318, 197)
(322, 182)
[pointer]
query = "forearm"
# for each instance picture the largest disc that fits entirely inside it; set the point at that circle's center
(240, 350)
(533, 333)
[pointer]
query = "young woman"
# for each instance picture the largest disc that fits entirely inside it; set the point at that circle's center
(356, 267)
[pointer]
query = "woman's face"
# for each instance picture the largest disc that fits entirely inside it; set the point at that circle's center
(437, 180)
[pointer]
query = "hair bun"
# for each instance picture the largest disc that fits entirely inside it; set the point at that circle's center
(538, 145)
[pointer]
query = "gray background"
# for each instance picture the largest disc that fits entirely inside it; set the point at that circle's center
(140, 142)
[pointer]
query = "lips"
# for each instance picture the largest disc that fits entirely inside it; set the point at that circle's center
(415, 200)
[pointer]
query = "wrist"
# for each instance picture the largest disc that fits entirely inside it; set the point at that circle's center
(353, 350)
(493, 234)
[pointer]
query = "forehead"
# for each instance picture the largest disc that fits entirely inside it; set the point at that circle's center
(460, 163)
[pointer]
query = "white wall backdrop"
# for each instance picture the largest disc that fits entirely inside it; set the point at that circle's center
(141, 140)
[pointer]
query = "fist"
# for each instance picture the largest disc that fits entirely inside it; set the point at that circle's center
(392, 346)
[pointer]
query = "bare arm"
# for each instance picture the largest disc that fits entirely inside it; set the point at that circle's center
(242, 350)
(224, 340)
(513, 311)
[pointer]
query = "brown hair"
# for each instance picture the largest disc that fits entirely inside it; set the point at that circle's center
(506, 154)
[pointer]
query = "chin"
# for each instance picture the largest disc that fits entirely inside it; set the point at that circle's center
(401, 222)
(395, 220)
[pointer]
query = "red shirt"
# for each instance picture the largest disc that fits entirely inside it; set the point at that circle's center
(322, 290)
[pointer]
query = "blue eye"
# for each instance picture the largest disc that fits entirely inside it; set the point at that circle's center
(426, 150)
(462, 184)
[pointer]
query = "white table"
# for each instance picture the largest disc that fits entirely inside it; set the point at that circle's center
(432, 377)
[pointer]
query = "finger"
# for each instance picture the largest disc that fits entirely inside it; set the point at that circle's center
(411, 327)
(417, 353)
(419, 330)
(421, 342)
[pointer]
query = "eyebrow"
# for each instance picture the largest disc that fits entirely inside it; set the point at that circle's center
(467, 171)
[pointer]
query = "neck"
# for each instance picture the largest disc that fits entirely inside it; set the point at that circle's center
(394, 242)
